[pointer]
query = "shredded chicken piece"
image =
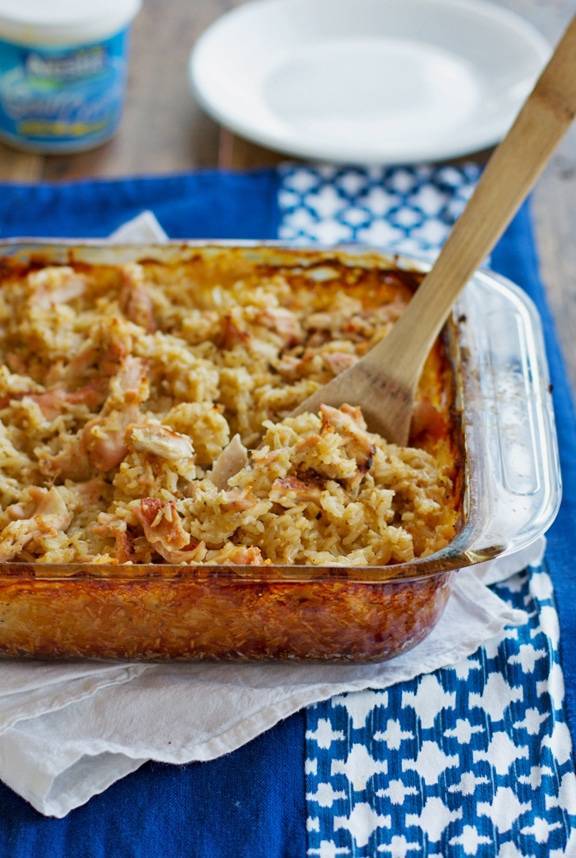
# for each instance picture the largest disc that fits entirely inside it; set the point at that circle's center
(349, 421)
(194, 552)
(50, 503)
(232, 459)
(160, 441)
(164, 531)
(320, 322)
(104, 438)
(50, 515)
(289, 366)
(50, 403)
(241, 555)
(110, 525)
(55, 285)
(135, 299)
(16, 511)
(283, 322)
(117, 342)
(293, 367)
(91, 394)
(91, 491)
(238, 500)
(230, 334)
(53, 402)
(83, 360)
(130, 384)
(109, 344)
(70, 463)
(161, 522)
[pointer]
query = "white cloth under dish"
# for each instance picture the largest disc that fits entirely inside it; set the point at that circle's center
(69, 730)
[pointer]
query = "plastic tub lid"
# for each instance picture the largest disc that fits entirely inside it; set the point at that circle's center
(63, 22)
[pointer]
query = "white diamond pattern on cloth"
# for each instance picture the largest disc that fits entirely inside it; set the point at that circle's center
(407, 209)
(472, 760)
(458, 778)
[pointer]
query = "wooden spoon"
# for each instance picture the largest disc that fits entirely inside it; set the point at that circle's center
(383, 383)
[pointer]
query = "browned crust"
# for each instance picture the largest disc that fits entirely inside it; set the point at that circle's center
(217, 619)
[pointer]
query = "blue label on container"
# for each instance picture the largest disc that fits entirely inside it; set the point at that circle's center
(60, 97)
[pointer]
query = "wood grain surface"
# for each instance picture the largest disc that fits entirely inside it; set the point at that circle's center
(164, 131)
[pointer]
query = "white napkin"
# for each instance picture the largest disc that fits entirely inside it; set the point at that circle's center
(69, 730)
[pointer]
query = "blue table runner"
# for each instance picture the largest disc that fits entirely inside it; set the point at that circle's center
(252, 802)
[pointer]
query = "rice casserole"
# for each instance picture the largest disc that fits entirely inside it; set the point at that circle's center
(122, 386)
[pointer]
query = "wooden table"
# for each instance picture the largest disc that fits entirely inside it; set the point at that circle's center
(163, 130)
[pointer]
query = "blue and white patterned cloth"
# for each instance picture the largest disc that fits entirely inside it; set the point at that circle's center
(452, 759)
(474, 760)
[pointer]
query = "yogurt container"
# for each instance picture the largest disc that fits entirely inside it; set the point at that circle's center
(63, 70)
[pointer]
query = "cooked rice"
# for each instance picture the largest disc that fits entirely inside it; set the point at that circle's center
(121, 386)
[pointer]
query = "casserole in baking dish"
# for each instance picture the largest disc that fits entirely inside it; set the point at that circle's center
(158, 502)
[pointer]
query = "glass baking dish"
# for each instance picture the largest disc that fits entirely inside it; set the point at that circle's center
(162, 611)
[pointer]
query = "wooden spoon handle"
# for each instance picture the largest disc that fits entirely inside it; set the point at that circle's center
(506, 181)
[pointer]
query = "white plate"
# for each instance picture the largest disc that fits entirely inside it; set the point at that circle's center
(370, 81)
